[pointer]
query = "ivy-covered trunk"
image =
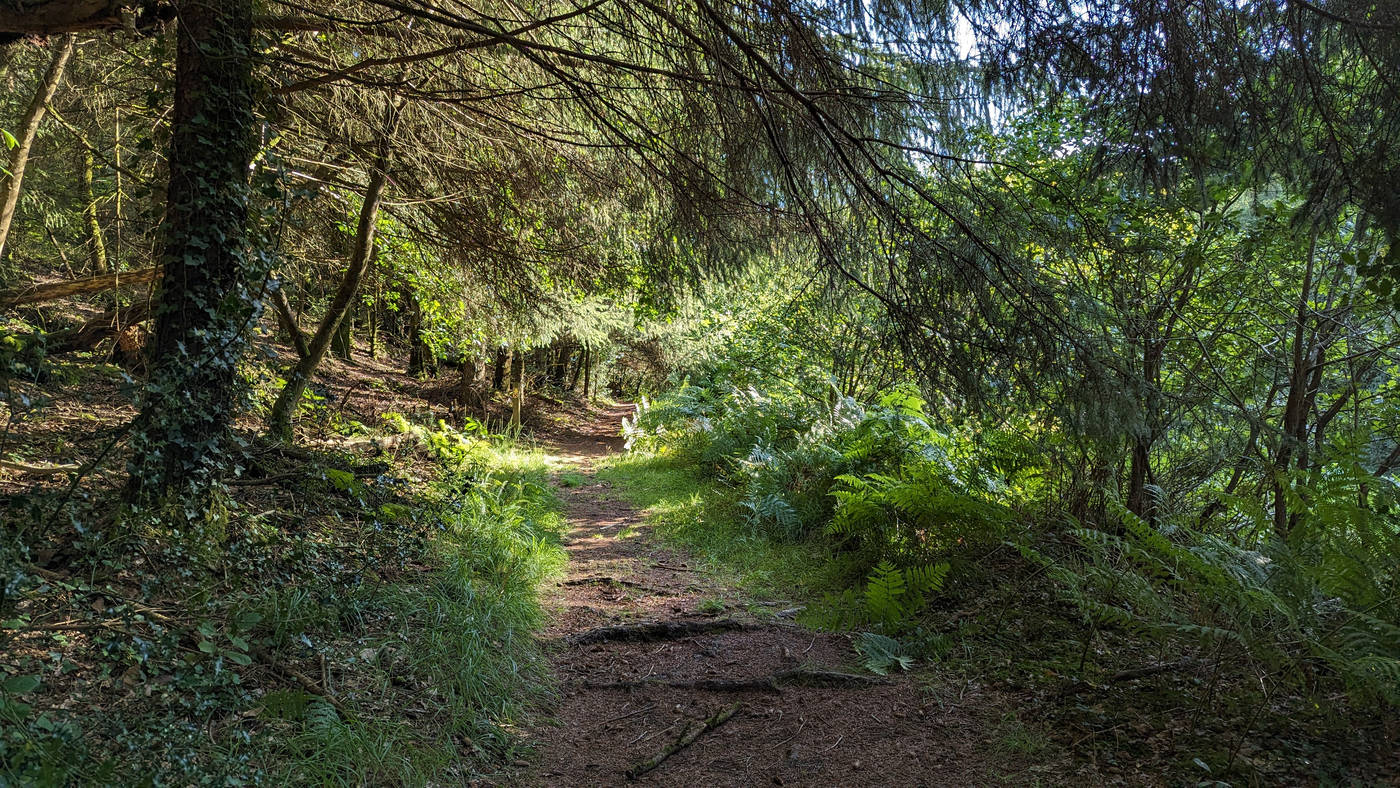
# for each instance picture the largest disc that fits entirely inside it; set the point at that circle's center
(206, 296)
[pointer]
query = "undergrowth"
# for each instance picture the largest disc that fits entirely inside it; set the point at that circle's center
(946, 543)
(355, 631)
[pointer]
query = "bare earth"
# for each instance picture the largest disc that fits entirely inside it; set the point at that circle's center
(910, 731)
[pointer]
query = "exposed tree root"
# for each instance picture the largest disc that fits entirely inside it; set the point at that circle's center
(799, 677)
(654, 630)
(604, 581)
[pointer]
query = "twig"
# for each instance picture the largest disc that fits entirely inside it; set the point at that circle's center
(688, 737)
(675, 568)
(632, 713)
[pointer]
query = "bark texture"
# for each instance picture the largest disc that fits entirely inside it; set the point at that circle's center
(206, 296)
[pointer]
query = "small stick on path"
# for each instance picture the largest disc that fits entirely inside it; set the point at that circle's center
(688, 737)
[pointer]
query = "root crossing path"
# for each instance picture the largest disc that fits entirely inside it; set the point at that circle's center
(659, 685)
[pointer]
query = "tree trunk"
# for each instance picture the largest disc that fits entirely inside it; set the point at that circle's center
(207, 295)
(517, 388)
(280, 421)
(578, 368)
(343, 343)
(289, 322)
(587, 374)
(97, 247)
(498, 372)
(470, 393)
(420, 356)
(28, 127)
(1295, 414)
(373, 322)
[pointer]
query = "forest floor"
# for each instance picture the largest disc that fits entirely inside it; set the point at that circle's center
(652, 653)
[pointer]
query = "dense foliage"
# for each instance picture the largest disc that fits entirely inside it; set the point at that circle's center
(1096, 301)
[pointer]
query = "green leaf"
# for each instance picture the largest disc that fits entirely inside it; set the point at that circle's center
(239, 657)
(206, 646)
(10, 142)
(20, 685)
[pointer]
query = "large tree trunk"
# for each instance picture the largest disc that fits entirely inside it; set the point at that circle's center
(280, 421)
(29, 126)
(207, 297)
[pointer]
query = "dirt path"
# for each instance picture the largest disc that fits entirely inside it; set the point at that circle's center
(624, 701)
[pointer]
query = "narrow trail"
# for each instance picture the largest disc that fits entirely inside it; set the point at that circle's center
(645, 657)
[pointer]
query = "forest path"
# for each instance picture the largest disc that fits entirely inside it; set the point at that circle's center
(629, 691)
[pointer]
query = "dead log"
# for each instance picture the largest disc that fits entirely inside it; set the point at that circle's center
(92, 333)
(649, 631)
(52, 291)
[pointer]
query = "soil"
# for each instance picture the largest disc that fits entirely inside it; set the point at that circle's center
(909, 730)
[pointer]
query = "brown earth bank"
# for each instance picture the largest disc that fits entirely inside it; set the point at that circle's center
(660, 686)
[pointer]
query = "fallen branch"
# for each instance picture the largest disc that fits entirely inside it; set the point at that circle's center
(801, 677)
(307, 683)
(52, 291)
(687, 738)
(654, 630)
(363, 471)
(37, 470)
(1076, 686)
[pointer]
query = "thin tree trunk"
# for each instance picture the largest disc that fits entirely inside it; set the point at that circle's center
(28, 128)
(289, 322)
(587, 375)
(517, 388)
(420, 356)
(374, 310)
(343, 343)
(280, 420)
(207, 295)
(97, 247)
(578, 368)
(1294, 410)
